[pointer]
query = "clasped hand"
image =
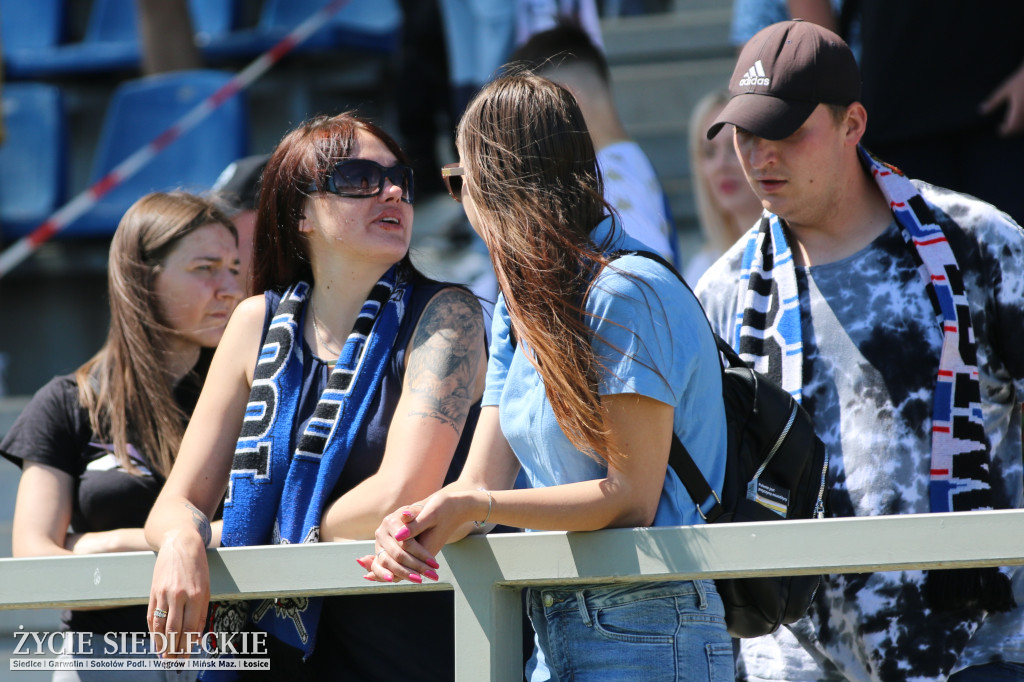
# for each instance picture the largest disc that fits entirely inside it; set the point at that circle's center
(400, 554)
(408, 539)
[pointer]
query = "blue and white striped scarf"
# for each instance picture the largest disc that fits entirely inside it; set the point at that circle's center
(768, 335)
(277, 493)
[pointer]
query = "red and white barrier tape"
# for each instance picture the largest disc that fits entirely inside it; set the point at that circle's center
(24, 247)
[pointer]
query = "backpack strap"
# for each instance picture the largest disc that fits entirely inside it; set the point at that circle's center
(679, 457)
(693, 480)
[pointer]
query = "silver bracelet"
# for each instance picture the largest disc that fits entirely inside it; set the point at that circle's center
(490, 505)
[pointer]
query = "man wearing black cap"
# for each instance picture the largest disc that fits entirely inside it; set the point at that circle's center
(894, 310)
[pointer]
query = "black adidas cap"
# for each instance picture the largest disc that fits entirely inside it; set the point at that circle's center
(783, 73)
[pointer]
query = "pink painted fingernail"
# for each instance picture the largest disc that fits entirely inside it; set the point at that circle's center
(415, 577)
(432, 574)
(389, 576)
(403, 533)
(360, 562)
(433, 564)
(370, 577)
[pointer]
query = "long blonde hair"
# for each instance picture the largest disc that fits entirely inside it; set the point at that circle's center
(715, 223)
(533, 177)
(125, 387)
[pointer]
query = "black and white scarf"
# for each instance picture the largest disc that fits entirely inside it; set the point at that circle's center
(278, 489)
(768, 336)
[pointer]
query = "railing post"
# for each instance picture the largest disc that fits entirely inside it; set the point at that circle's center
(488, 617)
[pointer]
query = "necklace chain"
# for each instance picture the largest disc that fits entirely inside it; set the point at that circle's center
(316, 330)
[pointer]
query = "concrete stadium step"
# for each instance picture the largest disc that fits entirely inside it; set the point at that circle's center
(684, 34)
(655, 102)
(661, 66)
(656, 96)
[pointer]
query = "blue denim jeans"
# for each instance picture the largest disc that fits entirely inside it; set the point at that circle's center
(638, 631)
(991, 672)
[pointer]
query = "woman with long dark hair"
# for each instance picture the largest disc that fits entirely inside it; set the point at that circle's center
(95, 446)
(597, 358)
(353, 381)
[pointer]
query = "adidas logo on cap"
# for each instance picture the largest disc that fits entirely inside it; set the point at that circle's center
(755, 76)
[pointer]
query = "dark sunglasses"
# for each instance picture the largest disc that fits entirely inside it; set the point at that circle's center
(365, 178)
(452, 174)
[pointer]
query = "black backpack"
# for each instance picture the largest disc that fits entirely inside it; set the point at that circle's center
(776, 468)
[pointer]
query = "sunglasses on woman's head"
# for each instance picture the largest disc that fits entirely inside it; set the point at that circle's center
(364, 178)
(452, 174)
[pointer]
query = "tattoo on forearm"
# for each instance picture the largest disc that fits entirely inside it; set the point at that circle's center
(202, 524)
(445, 361)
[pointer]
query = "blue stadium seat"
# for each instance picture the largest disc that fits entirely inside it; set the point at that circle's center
(33, 157)
(143, 108)
(368, 25)
(111, 41)
(116, 21)
(212, 19)
(31, 25)
(112, 21)
(29, 29)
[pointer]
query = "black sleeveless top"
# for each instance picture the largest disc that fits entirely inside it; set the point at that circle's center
(357, 634)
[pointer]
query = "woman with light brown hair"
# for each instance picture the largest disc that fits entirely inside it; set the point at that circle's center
(598, 356)
(726, 205)
(95, 446)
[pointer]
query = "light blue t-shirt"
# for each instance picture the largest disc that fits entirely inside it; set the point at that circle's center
(656, 342)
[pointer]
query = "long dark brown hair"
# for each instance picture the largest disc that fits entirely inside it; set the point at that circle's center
(125, 387)
(305, 155)
(532, 173)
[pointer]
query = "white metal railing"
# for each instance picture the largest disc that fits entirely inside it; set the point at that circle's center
(486, 573)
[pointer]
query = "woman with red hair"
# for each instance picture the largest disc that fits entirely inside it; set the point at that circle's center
(346, 389)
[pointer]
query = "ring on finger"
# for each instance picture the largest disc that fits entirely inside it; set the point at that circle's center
(159, 613)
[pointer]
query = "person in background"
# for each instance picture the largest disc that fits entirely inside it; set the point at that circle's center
(366, 377)
(726, 206)
(951, 117)
(480, 35)
(893, 309)
(238, 188)
(96, 446)
(597, 359)
(566, 55)
(536, 16)
(424, 111)
(750, 16)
